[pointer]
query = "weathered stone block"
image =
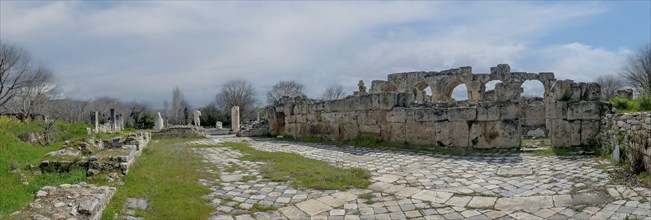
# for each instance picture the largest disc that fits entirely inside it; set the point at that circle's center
(509, 110)
(420, 132)
(488, 111)
(462, 114)
(584, 110)
(397, 115)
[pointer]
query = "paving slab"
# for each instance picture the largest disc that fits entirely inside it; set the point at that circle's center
(520, 203)
(313, 207)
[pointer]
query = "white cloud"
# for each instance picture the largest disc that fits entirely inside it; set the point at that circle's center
(142, 50)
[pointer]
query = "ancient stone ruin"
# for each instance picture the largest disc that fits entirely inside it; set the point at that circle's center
(400, 110)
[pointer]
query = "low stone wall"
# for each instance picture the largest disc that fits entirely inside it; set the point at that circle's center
(115, 155)
(180, 131)
(628, 135)
(79, 201)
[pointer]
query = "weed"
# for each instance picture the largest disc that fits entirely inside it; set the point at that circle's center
(368, 197)
(247, 178)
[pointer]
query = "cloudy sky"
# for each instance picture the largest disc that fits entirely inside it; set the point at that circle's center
(141, 50)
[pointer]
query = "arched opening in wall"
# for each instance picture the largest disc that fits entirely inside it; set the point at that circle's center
(489, 90)
(389, 88)
(423, 92)
(460, 93)
(533, 89)
(532, 120)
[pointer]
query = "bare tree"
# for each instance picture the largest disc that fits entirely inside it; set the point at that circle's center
(609, 85)
(35, 93)
(334, 92)
(637, 70)
(237, 93)
(14, 68)
(284, 88)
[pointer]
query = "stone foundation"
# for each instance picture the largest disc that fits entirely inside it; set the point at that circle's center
(79, 201)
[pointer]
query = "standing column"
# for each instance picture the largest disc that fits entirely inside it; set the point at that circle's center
(235, 118)
(112, 122)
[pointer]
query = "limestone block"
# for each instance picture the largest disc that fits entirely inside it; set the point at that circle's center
(420, 132)
(330, 117)
(397, 115)
(462, 114)
(575, 133)
(397, 132)
(452, 133)
(509, 110)
(369, 130)
(349, 131)
(288, 109)
(556, 109)
(533, 115)
(584, 110)
(589, 131)
(488, 111)
(313, 117)
(559, 132)
(301, 119)
(561, 90)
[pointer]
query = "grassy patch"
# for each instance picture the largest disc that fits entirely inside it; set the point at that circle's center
(304, 172)
(634, 105)
(373, 143)
(167, 176)
(15, 155)
(645, 178)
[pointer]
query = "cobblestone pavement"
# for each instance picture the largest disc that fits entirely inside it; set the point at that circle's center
(408, 185)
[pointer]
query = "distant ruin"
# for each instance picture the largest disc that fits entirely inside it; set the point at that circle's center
(400, 110)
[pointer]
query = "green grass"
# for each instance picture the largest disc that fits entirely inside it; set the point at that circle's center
(16, 155)
(635, 105)
(303, 172)
(368, 197)
(645, 178)
(373, 143)
(166, 175)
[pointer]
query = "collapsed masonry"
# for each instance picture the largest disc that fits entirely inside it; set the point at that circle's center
(399, 110)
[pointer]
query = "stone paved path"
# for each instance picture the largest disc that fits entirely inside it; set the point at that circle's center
(423, 186)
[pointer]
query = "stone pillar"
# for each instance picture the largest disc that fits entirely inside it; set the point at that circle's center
(94, 121)
(158, 122)
(235, 118)
(257, 117)
(218, 125)
(112, 121)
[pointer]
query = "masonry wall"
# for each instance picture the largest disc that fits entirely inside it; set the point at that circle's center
(388, 117)
(632, 133)
(570, 114)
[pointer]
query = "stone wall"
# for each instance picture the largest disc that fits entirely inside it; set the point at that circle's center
(628, 135)
(180, 131)
(397, 110)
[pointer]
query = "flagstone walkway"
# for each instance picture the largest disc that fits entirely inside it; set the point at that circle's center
(407, 185)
